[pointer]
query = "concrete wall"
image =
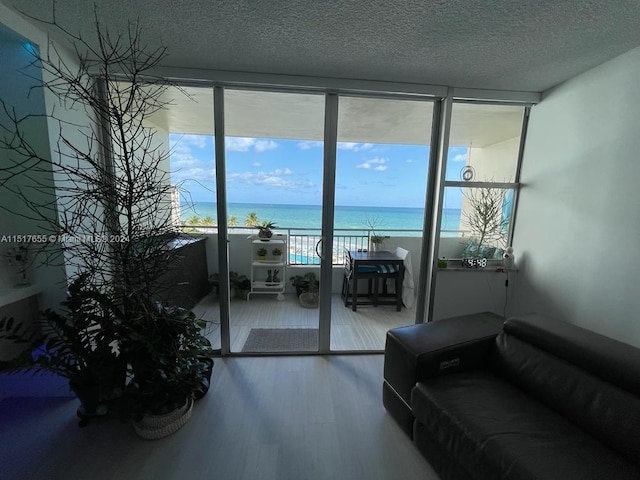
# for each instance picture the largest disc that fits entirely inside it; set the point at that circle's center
(578, 225)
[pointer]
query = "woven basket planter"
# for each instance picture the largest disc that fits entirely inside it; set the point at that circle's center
(154, 427)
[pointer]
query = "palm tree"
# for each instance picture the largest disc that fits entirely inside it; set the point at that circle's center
(252, 219)
(207, 221)
(232, 221)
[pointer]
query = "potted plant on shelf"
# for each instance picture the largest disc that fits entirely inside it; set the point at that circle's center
(277, 254)
(307, 288)
(264, 230)
(261, 253)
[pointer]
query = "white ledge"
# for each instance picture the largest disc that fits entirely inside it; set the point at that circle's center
(9, 295)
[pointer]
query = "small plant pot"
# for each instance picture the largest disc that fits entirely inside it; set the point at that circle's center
(277, 258)
(308, 300)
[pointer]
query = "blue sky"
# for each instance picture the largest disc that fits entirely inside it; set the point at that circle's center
(290, 171)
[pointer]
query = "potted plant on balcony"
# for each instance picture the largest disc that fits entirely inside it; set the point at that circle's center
(375, 239)
(307, 287)
(261, 253)
(264, 230)
(277, 254)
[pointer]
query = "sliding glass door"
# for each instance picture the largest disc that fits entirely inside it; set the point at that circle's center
(274, 169)
(381, 177)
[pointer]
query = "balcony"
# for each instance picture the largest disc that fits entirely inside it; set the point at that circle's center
(351, 331)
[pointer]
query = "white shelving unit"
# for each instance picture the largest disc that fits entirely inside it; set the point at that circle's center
(260, 268)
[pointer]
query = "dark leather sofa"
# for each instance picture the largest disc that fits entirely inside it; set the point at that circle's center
(529, 398)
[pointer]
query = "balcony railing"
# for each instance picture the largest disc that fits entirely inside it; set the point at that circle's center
(303, 242)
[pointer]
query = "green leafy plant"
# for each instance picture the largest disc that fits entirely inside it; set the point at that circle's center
(261, 252)
(264, 229)
(307, 283)
(79, 344)
(276, 252)
(166, 349)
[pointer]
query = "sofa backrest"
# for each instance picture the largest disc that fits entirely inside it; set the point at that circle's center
(593, 381)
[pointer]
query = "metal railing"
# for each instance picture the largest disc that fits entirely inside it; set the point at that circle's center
(302, 242)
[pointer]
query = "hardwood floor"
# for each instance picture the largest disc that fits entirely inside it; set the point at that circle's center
(295, 417)
(362, 330)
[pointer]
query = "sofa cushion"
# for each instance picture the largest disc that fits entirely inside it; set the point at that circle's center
(606, 411)
(612, 361)
(496, 431)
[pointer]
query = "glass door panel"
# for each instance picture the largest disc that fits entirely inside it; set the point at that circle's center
(381, 177)
(186, 126)
(274, 166)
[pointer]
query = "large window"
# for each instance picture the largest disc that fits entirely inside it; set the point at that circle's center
(481, 180)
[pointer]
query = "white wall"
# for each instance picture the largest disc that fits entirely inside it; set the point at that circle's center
(17, 79)
(577, 233)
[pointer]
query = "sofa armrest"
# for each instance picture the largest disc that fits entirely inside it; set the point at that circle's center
(417, 352)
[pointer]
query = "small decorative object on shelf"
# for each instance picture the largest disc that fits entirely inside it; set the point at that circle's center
(269, 280)
(277, 254)
(442, 263)
(508, 259)
(276, 279)
(474, 262)
(261, 253)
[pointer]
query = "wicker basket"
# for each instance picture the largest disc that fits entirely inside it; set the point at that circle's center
(154, 427)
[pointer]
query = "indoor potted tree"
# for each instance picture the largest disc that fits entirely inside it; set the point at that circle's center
(111, 185)
(169, 368)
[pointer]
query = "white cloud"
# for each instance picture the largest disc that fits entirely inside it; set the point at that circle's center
(256, 164)
(377, 164)
(275, 178)
(461, 157)
(198, 141)
(264, 145)
(410, 160)
(355, 147)
(308, 144)
(239, 144)
(244, 144)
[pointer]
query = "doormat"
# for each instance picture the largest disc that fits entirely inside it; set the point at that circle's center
(281, 340)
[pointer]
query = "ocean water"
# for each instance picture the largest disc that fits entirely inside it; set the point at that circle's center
(309, 216)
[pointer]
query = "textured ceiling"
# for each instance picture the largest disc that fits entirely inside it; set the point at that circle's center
(494, 44)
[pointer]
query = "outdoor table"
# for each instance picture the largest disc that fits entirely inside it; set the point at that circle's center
(380, 259)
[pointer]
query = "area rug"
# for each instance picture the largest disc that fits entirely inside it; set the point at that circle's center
(281, 340)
